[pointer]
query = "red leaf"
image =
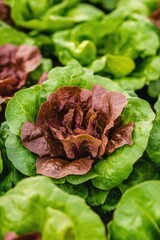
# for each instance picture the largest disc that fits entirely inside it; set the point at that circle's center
(58, 168)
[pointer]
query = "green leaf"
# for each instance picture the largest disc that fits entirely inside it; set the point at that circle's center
(133, 4)
(149, 68)
(118, 66)
(10, 180)
(82, 178)
(137, 215)
(111, 200)
(13, 36)
(96, 196)
(22, 159)
(131, 83)
(37, 205)
(22, 108)
(66, 49)
(136, 37)
(143, 170)
(154, 89)
(153, 148)
(80, 190)
(58, 225)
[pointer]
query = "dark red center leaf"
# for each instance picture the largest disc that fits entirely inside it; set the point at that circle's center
(74, 128)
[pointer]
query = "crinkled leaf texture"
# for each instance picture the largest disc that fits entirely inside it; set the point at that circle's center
(143, 170)
(37, 205)
(137, 215)
(153, 148)
(105, 174)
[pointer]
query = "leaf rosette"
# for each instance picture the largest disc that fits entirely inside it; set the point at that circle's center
(102, 144)
(15, 65)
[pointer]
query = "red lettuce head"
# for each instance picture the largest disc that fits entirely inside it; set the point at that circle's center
(74, 128)
(15, 64)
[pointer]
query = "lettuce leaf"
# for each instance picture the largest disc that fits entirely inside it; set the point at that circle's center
(137, 216)
(13, 36)
(9, 175)
(37, 205)
(153, 147)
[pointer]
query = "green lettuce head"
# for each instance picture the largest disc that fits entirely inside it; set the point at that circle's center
(52, 15)
(38, 209)
(83, 139)
(125, 38)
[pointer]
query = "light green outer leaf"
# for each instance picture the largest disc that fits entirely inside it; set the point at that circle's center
(23, 107)
(137, 215)
(22, 159)
(57, 226)
(25, 209)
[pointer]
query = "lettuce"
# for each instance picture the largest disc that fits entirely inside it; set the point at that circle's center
(16, 63)
(9, 175)
(74, 128)
(137, 216)
(36, 205)
(124, 47)
(52, 15)
(131, 35)
(105, 174)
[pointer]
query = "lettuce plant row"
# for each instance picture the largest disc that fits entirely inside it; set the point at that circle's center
(79, 119)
